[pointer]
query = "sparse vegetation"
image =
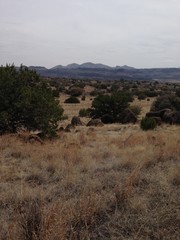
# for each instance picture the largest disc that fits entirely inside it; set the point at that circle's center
(97, 182)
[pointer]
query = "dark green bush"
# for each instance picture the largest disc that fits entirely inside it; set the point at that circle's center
(75, 91)
(141, 96)
(148, 124)
(94, 93)
(26, 101)
(128, 94)
(166, 101)
(151, 93)
(72, 100)
(113, 105)
(55, 92)
(114, 88)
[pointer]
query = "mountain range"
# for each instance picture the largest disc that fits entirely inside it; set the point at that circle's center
(100, 71)
(87, 65)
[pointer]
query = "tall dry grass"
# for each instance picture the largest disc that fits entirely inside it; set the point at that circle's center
(111, 182)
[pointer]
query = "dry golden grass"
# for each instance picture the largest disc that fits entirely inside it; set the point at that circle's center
(110, 182)
(71, 110)
(144, 104)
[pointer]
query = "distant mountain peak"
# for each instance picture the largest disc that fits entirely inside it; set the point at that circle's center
(125, 67)
(72, 65)
(93, 65)
(57, 67)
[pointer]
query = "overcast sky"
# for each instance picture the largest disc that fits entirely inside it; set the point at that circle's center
(139, 33)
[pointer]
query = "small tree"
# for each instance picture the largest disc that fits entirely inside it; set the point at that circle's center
(26, 101)
(113, 105)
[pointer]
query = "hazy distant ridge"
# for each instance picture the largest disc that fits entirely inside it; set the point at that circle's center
(89, 65)
(100, 71)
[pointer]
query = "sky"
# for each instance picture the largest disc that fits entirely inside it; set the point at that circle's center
(138, 33)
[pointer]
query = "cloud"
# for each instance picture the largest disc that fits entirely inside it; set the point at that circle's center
(111, 31)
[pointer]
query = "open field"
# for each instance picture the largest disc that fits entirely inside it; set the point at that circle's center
(111, 182)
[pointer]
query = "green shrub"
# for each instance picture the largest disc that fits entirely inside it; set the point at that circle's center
(85, 112)
(166, 101)
(113, 105)
(72, 100)
(148, 124)
(141, 96)
(27, 101)
(114, 88)
(150, 93)
(75, 91)
(55, 92)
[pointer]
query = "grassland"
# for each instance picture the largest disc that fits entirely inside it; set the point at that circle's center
(111, 182)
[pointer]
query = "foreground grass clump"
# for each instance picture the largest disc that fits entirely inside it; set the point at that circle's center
(112, 182)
